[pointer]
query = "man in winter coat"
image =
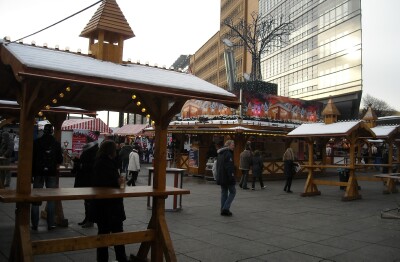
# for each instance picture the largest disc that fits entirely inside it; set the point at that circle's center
(47, 155)
(244, 165)
(226, 176)
(6, 151)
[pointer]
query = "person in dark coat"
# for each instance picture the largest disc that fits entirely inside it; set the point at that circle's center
(257, 168)
(226, 176)
(47, 155)
(109, 214)
(288, 168)
(126, 149)
(83, 170)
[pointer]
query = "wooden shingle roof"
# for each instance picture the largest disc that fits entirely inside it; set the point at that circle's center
(111, 20)
(330, 109)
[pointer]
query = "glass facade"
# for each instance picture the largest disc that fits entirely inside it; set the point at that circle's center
(323, 57)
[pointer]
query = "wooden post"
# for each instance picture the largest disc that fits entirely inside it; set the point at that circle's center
(21, 249)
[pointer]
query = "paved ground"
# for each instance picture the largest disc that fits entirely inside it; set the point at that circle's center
(267, 225)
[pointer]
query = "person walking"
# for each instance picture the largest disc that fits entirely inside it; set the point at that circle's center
(244, 165)
(108, 214)
(83, 169)
(47, 155)
(126, 149)
(6, 152)
(226, 176)
(133, 166)
(289, 168)
(257, 169)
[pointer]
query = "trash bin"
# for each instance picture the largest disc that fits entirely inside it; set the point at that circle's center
(343, 176)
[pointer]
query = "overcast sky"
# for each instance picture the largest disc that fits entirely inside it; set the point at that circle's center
(166, 29)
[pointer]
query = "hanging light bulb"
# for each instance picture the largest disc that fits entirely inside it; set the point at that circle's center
(54, 101)
(133, 97)
(138, 103)
(61, 95)
(143, 109)
(47, 107)
(68, 89)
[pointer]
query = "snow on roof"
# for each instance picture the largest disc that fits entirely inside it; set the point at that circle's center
(61, 61)
(130, 129)
(320, 129)
(384, 131)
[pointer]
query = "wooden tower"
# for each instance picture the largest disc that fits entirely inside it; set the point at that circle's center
(370, 117)
(330, 112)
(107, 30)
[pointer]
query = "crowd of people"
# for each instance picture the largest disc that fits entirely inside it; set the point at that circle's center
(224, 169)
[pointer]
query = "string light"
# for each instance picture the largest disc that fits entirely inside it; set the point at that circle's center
(61, 95)
(54, 101)
(153, 122)
(68, 89)
(147, 116)
(143, 109)
(40, 113)
(133, 97)
(47, 107)
(138, 103)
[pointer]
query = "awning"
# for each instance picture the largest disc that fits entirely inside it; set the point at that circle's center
(130, 130)
(93, 124)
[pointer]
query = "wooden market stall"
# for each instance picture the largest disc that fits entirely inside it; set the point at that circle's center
(37, 77)
(351, 131)
(389, 135)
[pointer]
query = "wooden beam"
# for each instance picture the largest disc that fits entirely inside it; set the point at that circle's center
(49, 246)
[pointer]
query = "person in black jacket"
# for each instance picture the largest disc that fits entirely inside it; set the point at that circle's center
(83, 170)
(109, 214)
(257, 169)
(226, 176)
(47, 155)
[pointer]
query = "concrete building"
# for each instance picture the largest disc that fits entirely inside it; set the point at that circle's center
(208, 62)
(323, 58)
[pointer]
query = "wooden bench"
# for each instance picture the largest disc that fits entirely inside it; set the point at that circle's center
(390, 182)
(23, 248)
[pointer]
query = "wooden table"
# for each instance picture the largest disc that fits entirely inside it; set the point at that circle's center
(174, 178)
(23, 248)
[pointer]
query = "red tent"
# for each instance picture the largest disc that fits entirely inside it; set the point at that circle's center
(93, 124)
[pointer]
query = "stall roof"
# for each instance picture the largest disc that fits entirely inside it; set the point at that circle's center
(93, 124)
(130, 129)
(334, 129)
(386, 131)
(55, 65)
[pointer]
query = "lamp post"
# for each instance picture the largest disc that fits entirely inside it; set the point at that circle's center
(66, 143)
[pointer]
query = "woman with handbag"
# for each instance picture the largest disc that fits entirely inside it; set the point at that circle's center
(289, 168)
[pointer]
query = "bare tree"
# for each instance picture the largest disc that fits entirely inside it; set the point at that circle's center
(258, 36)
(380, 107)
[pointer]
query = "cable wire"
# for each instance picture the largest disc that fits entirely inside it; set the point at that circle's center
(59, 21)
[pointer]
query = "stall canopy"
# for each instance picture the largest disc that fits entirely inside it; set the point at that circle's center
(130, 130)
(93, 124)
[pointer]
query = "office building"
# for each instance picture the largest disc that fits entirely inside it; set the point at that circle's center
(323, 58)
